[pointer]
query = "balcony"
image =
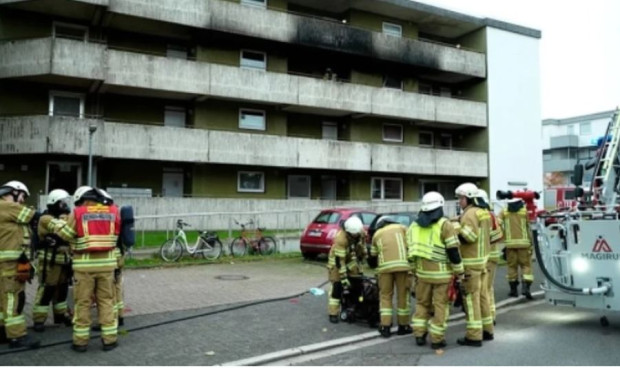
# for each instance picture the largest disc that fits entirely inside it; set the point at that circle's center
(41, 57)
(68, 135)
(566, 164)
(564, 141)
(280, 26)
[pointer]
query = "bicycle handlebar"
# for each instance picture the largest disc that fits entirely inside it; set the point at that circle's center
(181, 223)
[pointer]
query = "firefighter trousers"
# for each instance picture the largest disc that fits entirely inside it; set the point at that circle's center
(13, 300)
(53, 289)
(471, 301)
(491, 269)
(119, 304)
(485, 303)
(431, 297)
(387, 281)
(519, 257)
(101, 285)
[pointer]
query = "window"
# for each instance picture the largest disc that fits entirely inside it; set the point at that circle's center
(174, 116)
(256, 3)
(390, 81)
(251, 119)
(299, 186)
(330, 131)
(66, 104)
(585, 128)
(392, 133)
(392, 29)
(176, 52)
(71, 31)
(426, 139)
(547, 156)
(251, 181)
(386, 188)
(570, 129)
(445, 141)
(327, 218)
(445, 188)
(253, 60)
(445, 92)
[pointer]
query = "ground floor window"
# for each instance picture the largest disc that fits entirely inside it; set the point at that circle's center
(445, 188)
(299, 186)
(251, 181)
(386, 188)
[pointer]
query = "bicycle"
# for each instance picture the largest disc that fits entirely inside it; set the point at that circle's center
(207, 244)
(252, 239)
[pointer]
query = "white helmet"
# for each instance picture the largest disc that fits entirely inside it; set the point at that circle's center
(483, 194)
(468, 190)
(56, 195)
(353, 225)
(16, 185)
(79, 192)
(431, 201)
(107, 197)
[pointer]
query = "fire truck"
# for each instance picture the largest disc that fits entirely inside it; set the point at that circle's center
(560, 197)
(579, 251)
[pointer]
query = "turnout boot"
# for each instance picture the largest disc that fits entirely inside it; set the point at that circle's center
(333, 319)
(526, 290)
(385, 331)
(513, 289)
(38, 327)
(112, 346)
(3, 338)
(404, 330)
(24, 342)
(420, 340)
(467, 342)
(487, 336)
(79, 348)
(60, 319)
(439, 345)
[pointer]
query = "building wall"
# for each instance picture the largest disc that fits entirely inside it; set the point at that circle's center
(514, 115)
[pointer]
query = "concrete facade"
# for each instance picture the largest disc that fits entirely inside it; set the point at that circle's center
(217, 100)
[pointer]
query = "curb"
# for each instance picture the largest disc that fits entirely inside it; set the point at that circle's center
(312, 348)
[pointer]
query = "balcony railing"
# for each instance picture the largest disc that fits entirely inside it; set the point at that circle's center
(67, 135)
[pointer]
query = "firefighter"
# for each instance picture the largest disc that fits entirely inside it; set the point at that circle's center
(496, 234)
(474, 233)
(345, 259)
(433, 251)
(54, 264)
(388, 253)
(518, 250)
(93, 229)
(16, 221)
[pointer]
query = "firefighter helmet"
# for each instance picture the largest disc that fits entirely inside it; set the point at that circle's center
(431, 201)
(468, 190)
(14, 185)
(84, 192)
(353, 225)
(56, 195)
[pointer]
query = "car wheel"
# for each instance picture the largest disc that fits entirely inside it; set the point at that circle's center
(309, 256)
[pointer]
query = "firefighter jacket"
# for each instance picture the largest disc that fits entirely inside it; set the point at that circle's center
(92, 231)
(390, 248)
(475, 233)
(496, 236)
(14, 230)
(346, 258)
(427, 251)
(516, 229)
(60, 253)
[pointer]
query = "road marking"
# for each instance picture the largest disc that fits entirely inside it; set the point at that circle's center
(304, 353)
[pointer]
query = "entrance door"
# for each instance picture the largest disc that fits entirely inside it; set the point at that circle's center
(63, 175)
(172, 184)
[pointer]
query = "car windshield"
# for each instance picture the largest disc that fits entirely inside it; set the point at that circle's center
(327, 218)
(367, 217)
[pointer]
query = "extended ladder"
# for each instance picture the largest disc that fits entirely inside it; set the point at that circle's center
(607, 170)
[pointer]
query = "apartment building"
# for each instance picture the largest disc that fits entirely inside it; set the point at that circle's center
(571, 141)
(328, 102)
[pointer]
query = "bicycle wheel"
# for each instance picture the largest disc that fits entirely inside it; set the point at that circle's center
(211, 249)
(238, 247)
(171, 250)
(266, 245)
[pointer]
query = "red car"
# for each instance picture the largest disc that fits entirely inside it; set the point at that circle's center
(317, 238)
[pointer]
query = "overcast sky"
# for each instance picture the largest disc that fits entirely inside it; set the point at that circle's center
(579, 49)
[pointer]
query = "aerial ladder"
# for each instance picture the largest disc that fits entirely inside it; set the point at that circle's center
(579, 251)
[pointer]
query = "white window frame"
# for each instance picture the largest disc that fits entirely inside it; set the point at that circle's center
(385, 139)
(244, 190)
(241, 58)
(383, 179)
(242, 110)
(257, 4)
(432, 138)
(54, 93)
(444, 135)
(299, 176)
(69, 25)
(392, 33)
